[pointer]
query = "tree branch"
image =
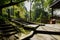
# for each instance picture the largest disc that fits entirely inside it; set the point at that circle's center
(10, 4)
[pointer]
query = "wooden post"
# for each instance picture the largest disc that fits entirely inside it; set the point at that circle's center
(52, 12)
(53, 20)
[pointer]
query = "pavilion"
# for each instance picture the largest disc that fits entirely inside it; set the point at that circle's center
(55, 10)
(55, 5)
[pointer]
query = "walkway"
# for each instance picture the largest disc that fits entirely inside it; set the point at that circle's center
(47, 27)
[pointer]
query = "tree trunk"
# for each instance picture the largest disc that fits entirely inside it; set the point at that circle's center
(1, 11)
(42, 1)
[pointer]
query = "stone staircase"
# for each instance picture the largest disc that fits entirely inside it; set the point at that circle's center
(7, 30)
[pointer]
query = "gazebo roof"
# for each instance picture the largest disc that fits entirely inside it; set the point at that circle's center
(55, 4)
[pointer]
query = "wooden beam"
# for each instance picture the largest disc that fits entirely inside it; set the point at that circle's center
(10, 4)
(54, 3)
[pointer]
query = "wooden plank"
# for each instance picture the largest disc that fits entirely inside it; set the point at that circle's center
(54, 3)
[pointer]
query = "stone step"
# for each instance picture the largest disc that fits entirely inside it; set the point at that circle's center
(5, 25)
(7, 31)
(5, 28)
(8, 34)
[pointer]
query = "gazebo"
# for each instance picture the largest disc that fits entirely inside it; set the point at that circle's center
(55, 8)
